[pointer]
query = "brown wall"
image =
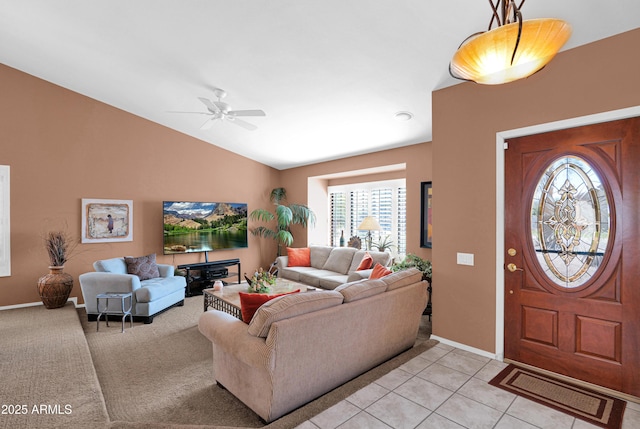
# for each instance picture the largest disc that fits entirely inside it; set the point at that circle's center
(591, 79)
(418, 169)
(63, 147)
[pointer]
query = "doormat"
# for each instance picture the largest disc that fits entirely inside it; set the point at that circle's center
(585, 404)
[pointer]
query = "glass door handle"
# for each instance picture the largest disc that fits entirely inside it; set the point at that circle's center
(513, 268)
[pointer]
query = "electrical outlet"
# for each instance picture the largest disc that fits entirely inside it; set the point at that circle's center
(465, 258)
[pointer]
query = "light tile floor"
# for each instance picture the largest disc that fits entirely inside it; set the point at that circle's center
(447, 388)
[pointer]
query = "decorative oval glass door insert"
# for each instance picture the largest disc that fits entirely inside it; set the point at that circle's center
(570, 221)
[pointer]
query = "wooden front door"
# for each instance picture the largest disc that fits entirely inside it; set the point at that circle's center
(572, 253)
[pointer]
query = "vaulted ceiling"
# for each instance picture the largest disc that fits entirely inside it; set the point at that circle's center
(330, 75)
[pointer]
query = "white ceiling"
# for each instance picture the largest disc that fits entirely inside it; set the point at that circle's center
(329, 74)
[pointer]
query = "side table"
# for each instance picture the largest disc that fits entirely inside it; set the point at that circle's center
(124, 312)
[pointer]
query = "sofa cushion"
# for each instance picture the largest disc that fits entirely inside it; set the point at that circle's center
(382, 258)
(113, 265)
(294, 273)
(379, 271)
(402, 278)
(300, 257)
(159, 287)
(313, 278)
(340, 259)
(332, 282)
(361, 289)
(250, 302)
(365, 263)
(144, 267)
(319, 255)
(291, 306)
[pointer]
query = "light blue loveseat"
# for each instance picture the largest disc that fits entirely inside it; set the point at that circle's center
(150, 297)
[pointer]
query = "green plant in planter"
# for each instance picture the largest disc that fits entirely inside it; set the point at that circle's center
(285, 216)
(385, 243)
(412, 260)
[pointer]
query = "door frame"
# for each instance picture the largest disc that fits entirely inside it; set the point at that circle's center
(501, 137)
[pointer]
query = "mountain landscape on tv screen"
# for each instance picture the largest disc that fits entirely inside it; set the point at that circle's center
(203, 226)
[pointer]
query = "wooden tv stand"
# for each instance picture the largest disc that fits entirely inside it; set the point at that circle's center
(208, 272)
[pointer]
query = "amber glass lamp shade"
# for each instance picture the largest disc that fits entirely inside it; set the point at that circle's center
(487, 57)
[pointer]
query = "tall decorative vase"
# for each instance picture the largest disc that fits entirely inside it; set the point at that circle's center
(54, 288)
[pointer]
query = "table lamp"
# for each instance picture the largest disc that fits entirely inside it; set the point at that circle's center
(369, 224)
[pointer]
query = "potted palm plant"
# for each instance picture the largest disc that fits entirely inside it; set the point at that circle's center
(54, 288)
(285, 216)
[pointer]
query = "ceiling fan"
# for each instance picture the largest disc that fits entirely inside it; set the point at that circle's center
(219, 110)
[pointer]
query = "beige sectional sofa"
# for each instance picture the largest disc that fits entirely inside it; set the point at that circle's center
(331, 266)
(298, 347)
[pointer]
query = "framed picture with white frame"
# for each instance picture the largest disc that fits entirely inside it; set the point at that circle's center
(105, 221)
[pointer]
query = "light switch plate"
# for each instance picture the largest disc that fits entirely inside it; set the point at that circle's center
(465, 258)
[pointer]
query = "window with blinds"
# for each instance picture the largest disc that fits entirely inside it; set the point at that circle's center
(386, 201)
(401, 228)
(338, 207)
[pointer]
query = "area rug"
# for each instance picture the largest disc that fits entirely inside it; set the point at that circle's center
(585, 404)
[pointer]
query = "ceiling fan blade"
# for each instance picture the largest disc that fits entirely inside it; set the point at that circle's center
(207, 125)
(181, 111)
(256, 112)
(243, 124)
(212, 107)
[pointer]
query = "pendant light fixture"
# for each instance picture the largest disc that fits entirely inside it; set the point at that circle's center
(513, 50)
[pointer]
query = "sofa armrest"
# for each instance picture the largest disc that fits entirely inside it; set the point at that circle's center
(166, 270)
(282, 261)
(94, 283)
(358, 275)
(231, 335)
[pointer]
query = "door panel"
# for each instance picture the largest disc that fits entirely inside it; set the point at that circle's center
(572, 269)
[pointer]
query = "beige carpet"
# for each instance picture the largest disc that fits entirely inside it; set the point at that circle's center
(152, 376)
(45, 363)
(162, 372)
(161, 375)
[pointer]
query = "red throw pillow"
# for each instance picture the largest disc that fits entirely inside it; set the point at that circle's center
(299, 257)
(366, 262)
(379, 271)
(250, 302)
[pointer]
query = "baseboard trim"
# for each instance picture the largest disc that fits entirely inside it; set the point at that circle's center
(73, 299)
(465, 347)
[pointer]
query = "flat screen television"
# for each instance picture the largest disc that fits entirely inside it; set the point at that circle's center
(191, 227)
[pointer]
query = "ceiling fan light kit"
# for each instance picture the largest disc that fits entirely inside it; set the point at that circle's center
(515, 49)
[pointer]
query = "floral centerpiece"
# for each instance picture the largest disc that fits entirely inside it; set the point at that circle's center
(261, 282)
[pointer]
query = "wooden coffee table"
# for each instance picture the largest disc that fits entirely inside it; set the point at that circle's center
(228, 299)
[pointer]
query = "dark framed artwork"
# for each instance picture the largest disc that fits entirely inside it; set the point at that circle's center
(426, 221)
